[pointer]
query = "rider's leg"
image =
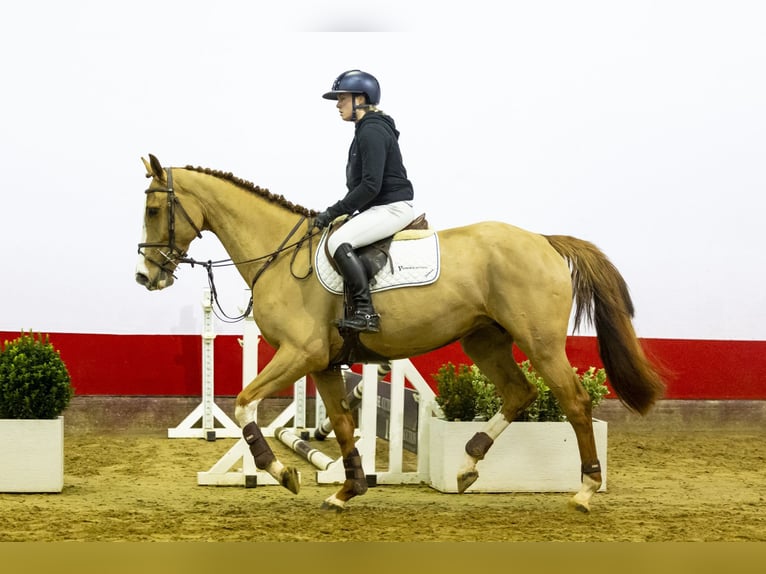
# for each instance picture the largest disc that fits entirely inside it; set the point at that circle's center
(364, 317)
(364, 228)
(372, 225)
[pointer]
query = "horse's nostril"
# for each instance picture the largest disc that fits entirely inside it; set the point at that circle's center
(142, 279)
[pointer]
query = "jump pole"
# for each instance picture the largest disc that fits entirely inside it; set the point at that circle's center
(303, 448)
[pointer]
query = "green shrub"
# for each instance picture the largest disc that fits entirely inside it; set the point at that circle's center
(457, 397)
(487, 401)
(466, 393)
(34, 382)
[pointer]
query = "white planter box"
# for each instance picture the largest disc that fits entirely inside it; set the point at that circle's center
(32, 455)
(526, 457)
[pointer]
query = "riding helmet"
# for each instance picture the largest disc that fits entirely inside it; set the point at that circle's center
(355, 82)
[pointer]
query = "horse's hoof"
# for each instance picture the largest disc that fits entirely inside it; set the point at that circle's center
(333, 503)
(291, 479)
(579, 506)
(466, 479)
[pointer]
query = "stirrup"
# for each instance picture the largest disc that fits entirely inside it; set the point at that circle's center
(362, 322)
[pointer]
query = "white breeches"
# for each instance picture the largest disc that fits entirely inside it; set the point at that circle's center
(372, 225)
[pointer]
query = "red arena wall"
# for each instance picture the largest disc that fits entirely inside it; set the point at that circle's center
(171, 364)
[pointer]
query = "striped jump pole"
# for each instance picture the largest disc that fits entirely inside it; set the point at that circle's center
(353, 399)
(303, 448)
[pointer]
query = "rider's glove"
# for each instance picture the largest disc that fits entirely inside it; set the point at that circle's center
(323, 219)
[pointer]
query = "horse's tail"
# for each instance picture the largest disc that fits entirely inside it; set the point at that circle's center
(602, 299)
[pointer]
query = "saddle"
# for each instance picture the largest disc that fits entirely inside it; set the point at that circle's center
(374, 257)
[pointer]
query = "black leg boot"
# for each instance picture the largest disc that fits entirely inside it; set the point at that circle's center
(364, 318)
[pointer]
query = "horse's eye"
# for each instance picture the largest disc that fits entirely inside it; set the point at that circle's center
(152, 211)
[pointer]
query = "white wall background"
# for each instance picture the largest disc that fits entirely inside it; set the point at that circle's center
(640, 126)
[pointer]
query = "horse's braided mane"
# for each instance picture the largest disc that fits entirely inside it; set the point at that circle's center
(249, 186)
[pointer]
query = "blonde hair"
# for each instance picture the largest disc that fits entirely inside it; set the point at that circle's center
(371, 108)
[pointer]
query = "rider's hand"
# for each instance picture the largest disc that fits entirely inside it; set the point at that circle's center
(323, 220)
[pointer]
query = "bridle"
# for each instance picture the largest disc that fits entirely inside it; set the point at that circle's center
(174, 255)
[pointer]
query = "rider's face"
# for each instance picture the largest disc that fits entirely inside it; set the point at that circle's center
(345, 106)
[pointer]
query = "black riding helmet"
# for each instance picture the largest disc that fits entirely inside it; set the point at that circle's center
(355, 82)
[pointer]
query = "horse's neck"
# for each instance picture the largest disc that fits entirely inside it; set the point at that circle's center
(248, 225)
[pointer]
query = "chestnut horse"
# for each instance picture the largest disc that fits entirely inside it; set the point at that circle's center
(499, 285)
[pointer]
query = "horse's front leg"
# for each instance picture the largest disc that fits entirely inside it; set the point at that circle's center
(283, 370)
(333, 392)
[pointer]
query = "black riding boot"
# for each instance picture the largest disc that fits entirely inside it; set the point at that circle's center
(364, 318)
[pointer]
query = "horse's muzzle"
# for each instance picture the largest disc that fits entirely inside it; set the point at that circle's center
(143, 279)
(162, 280)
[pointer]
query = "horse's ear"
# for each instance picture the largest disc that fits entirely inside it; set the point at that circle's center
(154, 168)
(148, 167)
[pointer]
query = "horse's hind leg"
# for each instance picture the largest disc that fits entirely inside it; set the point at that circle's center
(552, 364)
(331, 388)
(491, 348)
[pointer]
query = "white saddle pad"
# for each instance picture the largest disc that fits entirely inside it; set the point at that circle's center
(414, 261)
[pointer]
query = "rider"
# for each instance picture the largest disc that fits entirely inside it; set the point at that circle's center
(379, 196)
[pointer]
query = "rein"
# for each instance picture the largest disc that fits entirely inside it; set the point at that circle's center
(175, 256)
(269, 259)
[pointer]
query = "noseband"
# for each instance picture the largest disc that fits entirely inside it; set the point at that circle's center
(170, 251)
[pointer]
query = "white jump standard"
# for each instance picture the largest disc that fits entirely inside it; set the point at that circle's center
(207, 411)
